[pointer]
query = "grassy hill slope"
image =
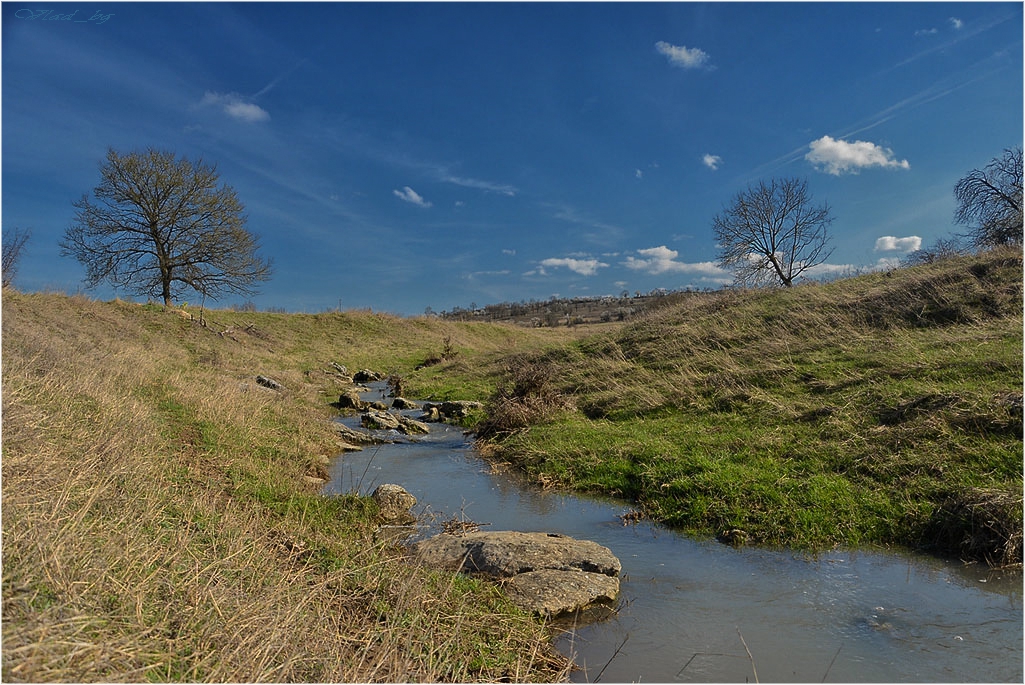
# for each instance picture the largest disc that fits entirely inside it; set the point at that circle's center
(158, 518)
(884, 409)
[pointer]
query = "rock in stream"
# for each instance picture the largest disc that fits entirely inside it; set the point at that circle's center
(542, 572)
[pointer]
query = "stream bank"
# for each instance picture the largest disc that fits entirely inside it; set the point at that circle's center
(691, 609)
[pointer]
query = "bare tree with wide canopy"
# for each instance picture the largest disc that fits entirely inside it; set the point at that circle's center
(771, 233)
(161, 224)
(989, 201)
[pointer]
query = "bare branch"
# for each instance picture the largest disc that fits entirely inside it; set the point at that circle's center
(772, 234)
(13, 246)
(990, 201)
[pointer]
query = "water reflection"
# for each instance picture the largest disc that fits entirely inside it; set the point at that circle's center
(690, 610)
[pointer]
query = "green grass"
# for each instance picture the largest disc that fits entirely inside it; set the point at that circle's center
(850, 413)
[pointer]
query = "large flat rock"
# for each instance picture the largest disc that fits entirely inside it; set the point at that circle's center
(503, 554)
(542, 572)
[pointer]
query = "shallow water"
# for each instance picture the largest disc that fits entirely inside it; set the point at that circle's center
(688, 607)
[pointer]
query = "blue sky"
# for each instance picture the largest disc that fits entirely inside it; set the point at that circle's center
(402, 156)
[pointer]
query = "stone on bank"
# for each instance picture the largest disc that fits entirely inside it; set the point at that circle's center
(395, 503)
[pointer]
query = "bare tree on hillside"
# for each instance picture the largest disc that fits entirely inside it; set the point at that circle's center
(989, 201)
(12, 247)
(772, 233)
(943, 248)
(160, 224)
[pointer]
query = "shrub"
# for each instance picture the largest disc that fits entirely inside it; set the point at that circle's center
(528, 397)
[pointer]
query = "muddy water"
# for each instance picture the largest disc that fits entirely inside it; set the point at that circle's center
(690, 610)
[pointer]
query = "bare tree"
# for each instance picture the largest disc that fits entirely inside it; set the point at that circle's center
(989, 201)
(13, 245)
(943, 248)
(771, 233)
(161, 224)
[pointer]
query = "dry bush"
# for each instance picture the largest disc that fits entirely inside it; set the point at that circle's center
(529, 396)
(981, 524)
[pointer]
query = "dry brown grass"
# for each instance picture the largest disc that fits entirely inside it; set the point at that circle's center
(979, 524)
(157, 525)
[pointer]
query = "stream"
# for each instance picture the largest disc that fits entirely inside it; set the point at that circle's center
(695, 610)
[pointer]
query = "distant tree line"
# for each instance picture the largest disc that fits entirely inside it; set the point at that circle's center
(557, 311)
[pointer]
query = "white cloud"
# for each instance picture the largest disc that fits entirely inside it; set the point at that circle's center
(712, 161)
(508, 252)
(246, 111)
(234, 106)
(411, 196)
(638, 173)
(889, 243)
(833, 271)
(584, 267)
(682, 56)
(840, 156)
(502, 188)
(660, 260)
(477, 274)
(829, 271)
(886, 264)
(927, 32)
(956, 23)
(656, 260)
